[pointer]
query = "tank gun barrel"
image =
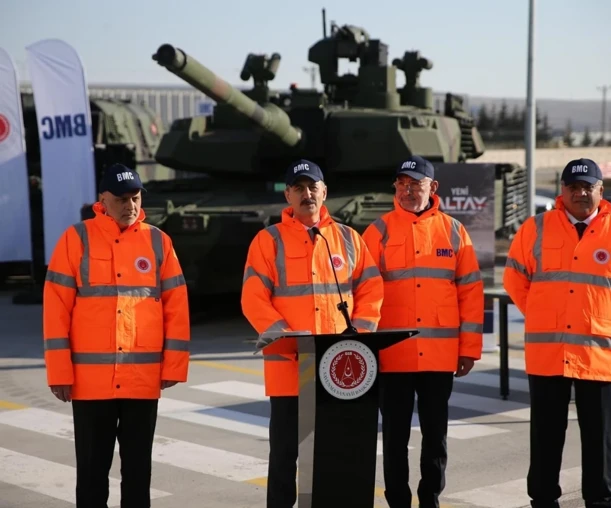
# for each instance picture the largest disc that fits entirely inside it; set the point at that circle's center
(269, 117)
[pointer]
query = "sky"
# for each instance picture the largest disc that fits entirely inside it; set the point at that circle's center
(478, 47)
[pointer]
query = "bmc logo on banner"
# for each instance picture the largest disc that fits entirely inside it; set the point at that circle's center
(63, 126)
(64, 131)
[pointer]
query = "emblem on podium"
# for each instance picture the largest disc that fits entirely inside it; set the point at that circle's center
(348, 369)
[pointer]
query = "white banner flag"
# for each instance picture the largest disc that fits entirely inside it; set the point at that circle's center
(15, 240)
(64, 128)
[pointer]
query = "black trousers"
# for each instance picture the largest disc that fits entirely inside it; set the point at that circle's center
(397, 393)
(97, 426)
(283, 452)
(550, 397)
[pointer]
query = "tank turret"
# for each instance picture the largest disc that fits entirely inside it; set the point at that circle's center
(357, 124)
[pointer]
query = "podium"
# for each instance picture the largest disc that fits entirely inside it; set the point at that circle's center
(338, 414)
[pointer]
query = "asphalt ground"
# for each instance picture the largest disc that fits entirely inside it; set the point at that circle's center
(211, 446)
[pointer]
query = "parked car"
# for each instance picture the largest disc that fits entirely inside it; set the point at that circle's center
(543, 203)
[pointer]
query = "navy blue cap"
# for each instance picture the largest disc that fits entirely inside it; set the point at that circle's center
(417, 168)
(585, 170)
(303, 167)
(119, 179)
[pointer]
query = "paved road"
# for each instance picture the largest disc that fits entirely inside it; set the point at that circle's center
(211, 445)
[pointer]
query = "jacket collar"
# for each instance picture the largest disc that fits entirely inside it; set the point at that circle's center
(108, 223)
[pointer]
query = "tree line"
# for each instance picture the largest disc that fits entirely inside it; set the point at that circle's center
(506, 129)
(501, 127)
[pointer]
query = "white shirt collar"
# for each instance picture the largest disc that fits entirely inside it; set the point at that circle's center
(307, 228)
(587, 220)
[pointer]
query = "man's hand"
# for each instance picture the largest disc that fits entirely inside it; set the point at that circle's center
(167, 384)
(465, 364)
(62, 392)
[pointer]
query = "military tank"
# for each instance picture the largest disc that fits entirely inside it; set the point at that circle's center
(358, 129)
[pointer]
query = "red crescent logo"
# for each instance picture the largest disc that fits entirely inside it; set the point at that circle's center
(5, 127)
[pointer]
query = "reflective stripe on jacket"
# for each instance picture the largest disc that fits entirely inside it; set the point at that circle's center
(289, 285)
(562, 286)
(432, 282)
(115, 311)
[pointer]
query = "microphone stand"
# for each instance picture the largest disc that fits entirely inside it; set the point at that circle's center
(342, 305)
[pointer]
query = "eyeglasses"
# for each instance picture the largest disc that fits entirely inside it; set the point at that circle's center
(577, 187)
(412, 186)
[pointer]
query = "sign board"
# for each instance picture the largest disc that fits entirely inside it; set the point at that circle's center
(65, 138)
(205, 108)
(466, 192)
(14, 189)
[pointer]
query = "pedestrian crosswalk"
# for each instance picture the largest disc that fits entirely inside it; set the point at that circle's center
(226, 405)
(49, 478)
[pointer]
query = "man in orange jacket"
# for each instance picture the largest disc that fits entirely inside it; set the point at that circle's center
(289, 285)
(116, 332)
(558, 274)
(432, 283)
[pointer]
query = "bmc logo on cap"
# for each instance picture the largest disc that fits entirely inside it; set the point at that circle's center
(581, 168)
(126, 175)
(408, 165)
(301, 167)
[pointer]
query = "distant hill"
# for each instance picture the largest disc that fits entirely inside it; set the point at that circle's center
(582, 113)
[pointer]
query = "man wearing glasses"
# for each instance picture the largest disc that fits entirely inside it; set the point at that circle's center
(558, 273)
(432, 282)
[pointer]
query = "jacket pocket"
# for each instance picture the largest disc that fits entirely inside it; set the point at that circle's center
(538, 320)
(149, 337)
(91, 338)
(552, 254)
(394, 253)
(448, 316)
(100, 266)
(297, 264)
(600, 326)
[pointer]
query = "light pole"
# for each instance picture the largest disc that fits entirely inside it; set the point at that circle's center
(531, 113)
(603, 124)
(311, 70)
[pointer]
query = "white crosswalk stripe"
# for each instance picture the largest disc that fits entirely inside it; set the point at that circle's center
(512, 494)
(195, 457)
(456, 429)
(226, 419)
(226, 406)
(50, 478)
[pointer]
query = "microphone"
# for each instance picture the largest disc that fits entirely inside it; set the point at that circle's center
(342, 305)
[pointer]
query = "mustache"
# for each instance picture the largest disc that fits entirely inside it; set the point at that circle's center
(308, 202)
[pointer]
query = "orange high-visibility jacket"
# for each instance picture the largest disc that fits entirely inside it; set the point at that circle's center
(115, 311)
(562, 286)
(432, 282)
(289, 286)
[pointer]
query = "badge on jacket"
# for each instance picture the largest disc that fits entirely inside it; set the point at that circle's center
(338, 261)
(143, 265)
(601, 256)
